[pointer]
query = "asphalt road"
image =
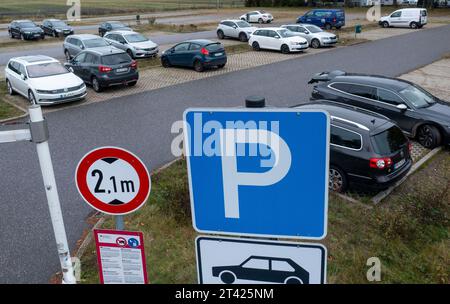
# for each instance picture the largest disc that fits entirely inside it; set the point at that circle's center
(141, 123)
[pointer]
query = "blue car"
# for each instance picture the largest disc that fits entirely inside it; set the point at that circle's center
(324, 18)
(199, 54)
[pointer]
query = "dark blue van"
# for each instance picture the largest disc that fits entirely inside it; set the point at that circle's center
(325, 18)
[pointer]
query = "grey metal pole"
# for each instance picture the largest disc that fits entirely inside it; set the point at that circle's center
(120, 225)
(40, 137)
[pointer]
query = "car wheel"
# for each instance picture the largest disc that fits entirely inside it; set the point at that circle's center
(338, 27)
(337, 180)
(293, 280)
(132, 84)
(67, 55)
(243, 37)
(385, 24)
(285, 49)
(31, 97)
(315, 43)
(198, 66)
(220, 34)
(255, 46)
(96, 85)
(130, 53)
(55, 34)
(243, 19)
(414, 25)
(165, 62)
(228, 277)
(22, 37)
(9, 87)
(328, 26)
(429, 136)
(260, 21)
(221, 66)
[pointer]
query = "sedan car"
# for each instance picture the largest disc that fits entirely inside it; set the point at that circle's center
(25, 30)
(315, 36)
(135, 44)
(56, 28)
(74, 44)
(43, 80)
(104, 67)
(279, 39)
(235, 29)
(417, 112)
(199, 54)
(257, 16)
(112, 26)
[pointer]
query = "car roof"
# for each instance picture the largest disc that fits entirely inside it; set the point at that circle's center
(122, 32)
(107, 50)
(22, 20)
(350, 117)
(373, 80)
(34, 59)
(84, 36)
(201, 41)
(327, 9)
(271, 28)
(232, 20)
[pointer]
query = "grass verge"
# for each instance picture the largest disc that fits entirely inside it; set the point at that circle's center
(409, 232)
(6, 110)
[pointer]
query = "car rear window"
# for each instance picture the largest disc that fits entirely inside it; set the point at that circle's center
(389, 141)
(116, 59)
(214, 47)
(46, 69)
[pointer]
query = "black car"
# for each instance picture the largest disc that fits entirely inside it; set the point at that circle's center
(25, 30)
(417, 112)
(366, 149)
(56, 28)
(112, 26)
(263, 269)
(104, 67)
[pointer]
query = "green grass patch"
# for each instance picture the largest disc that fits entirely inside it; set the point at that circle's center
(6, 110)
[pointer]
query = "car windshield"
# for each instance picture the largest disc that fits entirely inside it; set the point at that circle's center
(285, 33)
(96, 42)
(243, 24)
(417, 96)
(59, 23)
(115, 25)
(116, 59)
(46, 69)
(135, 38)
(313, 29)
(262, 12)
(389, 141)
(26, 24)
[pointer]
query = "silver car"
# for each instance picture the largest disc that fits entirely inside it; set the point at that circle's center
(135, 44)
(74, 44)
(315, 35)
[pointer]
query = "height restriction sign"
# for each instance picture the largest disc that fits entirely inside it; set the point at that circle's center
(113, 180)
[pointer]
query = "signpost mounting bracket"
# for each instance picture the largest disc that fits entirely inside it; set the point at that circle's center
(39, 131)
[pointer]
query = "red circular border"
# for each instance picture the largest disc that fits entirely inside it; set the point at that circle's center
(134, 161)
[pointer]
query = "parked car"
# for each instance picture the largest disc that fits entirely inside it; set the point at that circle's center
(257, 16)
(315, 36)
(279, 39)
(199, 54)
(366, 149)
(135, 44)
(417, 112)
(43, 80)
(25, 30)
(263, 269)
(324, 18)
(56, 28)
(112, 26)
(405, 17)
(74, 44)
(235, 29)
(105, 67)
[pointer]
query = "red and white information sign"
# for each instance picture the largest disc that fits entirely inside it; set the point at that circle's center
(113, 180)
(121, 257)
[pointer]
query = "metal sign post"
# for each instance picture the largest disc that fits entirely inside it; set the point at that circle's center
(37, 132)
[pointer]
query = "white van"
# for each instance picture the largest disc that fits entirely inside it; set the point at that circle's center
(405, 17)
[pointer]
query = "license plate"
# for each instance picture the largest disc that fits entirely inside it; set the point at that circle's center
(399, 164)
(218, 54)
(37, 35)
(121, 70)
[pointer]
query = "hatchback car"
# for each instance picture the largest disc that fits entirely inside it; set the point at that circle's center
(257, 16)
(105, 67)
(43, 80)
(56, 28)
(74, 44)
(235, 29)
(112, 26)
(315, 36)
(199, 54)
(417, 112)
(25, 30)
(366, 149)
(279, 39)
(325, 18)
(135, 44)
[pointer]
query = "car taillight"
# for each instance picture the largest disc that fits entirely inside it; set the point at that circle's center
(380, 163)
(134, 64)
(410, 147)
(104, 69)
(204, 51)
(334, 19)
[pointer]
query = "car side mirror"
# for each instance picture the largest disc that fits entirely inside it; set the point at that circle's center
(23, 77)
(277, 37)
(82, 47)
(402, 107)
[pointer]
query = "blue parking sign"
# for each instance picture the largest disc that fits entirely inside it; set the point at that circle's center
(258, 172)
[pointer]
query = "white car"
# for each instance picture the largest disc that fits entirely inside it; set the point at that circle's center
(405, 17)
(43, 80)
(257, 16)
(135, 44)
(235, 29)
(274, 38)
(315, 36)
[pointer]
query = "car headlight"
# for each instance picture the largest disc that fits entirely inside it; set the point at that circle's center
(46, 91)
(27, 32)
(58, 30)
